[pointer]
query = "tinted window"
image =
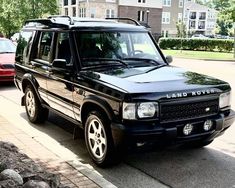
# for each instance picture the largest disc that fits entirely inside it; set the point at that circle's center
(45, 46)
(63, 47)
(23, 47)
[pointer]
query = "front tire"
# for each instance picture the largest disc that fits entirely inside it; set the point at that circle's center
(98, 137)
(35, 112)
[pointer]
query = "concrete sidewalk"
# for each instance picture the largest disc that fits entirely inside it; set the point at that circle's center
(70, 175)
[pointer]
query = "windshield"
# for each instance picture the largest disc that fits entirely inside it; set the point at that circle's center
(123, 48)
(6, 46)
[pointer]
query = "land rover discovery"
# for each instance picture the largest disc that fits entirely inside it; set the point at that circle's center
(113, 81)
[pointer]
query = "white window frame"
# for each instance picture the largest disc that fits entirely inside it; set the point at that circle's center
(181, 3)
(82, 12)
(166, 3)
(166, 17)
(110, 13)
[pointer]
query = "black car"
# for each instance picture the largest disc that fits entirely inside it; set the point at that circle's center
(112, 80)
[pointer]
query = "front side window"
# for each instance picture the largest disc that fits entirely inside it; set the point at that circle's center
(96, 48)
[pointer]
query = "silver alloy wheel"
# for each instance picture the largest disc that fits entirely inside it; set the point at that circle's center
(97, 139)
(30, 103)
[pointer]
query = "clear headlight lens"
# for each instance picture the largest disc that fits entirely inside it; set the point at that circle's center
(146, 110)
(141, 110)
(129, 111)
(225, 100)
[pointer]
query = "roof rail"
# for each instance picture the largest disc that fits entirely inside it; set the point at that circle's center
(47, 22)
(53, 17)
(125, 18)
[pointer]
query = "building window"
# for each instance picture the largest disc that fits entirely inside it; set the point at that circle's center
(166, 16)
(74, 11)
(66, 11)
(179, 17)
(192, 15)
(140, 16)
(66, 2)
(82, 12)
(73, 2)
(167, 3)
(93, 11)
(109, 13)
(141, 1)
(180, 3)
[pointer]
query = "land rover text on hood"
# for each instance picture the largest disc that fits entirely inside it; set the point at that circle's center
(112, 80)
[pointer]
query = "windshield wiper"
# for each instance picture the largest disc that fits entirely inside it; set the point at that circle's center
(105, 59)
(152, 61)
(154, 68)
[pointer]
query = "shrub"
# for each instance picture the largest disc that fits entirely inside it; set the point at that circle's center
(222, 45)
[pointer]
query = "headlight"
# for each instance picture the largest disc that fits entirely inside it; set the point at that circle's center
(146, 110)
(129, 111)
(224, 100)
(133, 111)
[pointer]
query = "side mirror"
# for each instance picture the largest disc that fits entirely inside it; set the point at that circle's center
(169, 59)
(59, 63)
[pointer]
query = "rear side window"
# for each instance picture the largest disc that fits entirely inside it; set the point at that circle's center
(23, 47)
(45, 46)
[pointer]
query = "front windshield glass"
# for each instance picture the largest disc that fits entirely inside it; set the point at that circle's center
(109, 48)
(6, 46)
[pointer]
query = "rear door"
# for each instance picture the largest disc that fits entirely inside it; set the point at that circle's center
(60, 75)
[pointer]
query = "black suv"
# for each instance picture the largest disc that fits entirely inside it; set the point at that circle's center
(113, 81)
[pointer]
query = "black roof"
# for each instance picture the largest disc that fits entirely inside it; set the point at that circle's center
(67, 22)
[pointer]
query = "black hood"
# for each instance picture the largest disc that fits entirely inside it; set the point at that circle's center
(149, 80)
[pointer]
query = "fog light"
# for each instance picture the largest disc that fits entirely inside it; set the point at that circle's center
(207, 125)
(188, 128)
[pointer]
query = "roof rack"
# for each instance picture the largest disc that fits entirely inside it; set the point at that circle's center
(55, 21)
(124, 18)
(53, 17)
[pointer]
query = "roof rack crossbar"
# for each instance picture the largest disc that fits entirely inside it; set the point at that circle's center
(124, 18)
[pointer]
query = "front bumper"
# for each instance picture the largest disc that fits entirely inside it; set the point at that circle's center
(172, 132)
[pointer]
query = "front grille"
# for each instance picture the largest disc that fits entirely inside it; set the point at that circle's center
(183, 110)
(8, 66)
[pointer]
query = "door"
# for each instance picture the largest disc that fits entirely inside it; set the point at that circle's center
(60, 76)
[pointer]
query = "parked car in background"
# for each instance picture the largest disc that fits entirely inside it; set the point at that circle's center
(15, 37)
(7, 59)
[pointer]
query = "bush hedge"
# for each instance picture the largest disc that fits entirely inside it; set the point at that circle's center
(222, 45)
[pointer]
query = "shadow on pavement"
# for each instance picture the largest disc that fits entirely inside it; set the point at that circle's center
(173, 166)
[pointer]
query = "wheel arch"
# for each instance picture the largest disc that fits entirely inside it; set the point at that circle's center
(92, 103)
(29, 79)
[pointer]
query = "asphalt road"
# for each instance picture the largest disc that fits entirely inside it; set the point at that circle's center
(212, 166)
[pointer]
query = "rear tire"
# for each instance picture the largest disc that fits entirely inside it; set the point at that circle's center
(99, 141)
(35, 112)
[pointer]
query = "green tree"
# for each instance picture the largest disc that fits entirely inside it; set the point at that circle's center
(14, 13)
(181, 29)
(226, 15)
